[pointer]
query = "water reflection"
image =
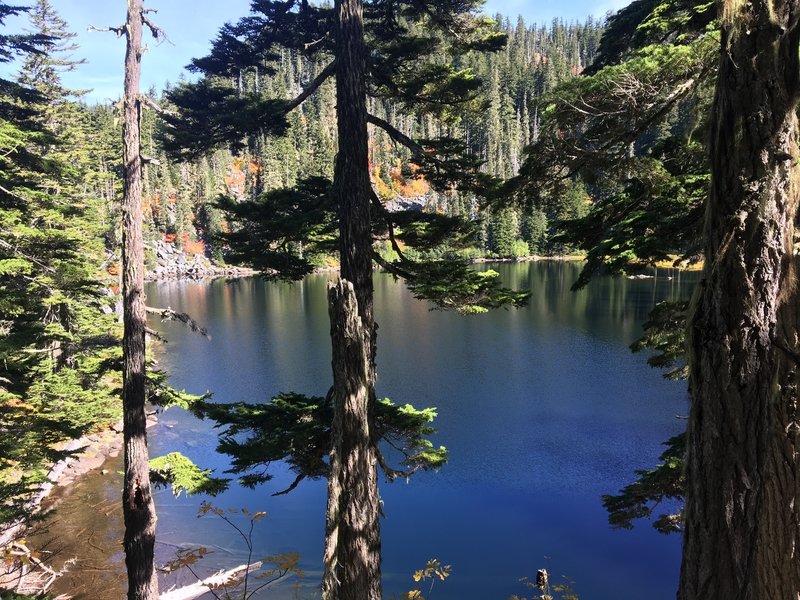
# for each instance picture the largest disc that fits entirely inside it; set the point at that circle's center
(543, 410)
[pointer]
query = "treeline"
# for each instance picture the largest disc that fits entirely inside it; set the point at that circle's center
(180, 197)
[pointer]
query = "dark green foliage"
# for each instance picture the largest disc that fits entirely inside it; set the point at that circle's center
(296, 429)
(456, 285)
(214, 115)
(648, 22)
(19, 44)
(665, 333)
(428, 231)
(447, 162)
(633, 132)
(283, 232)
(57, 338)
(665, 483)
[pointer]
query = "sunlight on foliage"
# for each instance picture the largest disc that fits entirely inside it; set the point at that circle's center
(434, 571)
(184, 476)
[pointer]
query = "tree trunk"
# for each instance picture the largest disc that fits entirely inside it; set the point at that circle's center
(742, 505)
(352, 539)
(137, 500)
(352, 558)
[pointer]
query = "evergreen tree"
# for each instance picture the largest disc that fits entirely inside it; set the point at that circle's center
(394, 68)
(57, 344)
(742, 515)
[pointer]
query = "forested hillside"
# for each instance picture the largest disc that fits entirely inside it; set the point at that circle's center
(180, 197)
(61, 184)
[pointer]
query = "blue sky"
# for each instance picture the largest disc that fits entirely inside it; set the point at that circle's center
(190, 25)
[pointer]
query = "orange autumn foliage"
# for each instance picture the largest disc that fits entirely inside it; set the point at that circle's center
(192, 247)
(235, 178)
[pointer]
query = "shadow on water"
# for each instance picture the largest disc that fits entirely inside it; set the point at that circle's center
(543, 409)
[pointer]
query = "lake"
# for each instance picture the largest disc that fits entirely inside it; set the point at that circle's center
(543, 410)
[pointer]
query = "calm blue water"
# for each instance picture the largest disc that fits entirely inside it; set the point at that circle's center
(543, 410)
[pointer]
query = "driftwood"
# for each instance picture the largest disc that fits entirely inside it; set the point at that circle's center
(25, 573)
(215, 581)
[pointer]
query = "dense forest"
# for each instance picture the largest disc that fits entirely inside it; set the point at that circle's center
(413, 137)
(181, 196)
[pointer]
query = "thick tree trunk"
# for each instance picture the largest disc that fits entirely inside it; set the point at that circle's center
(352, 540)
(743, 504)
(352, 559)
(351, 175)
(137, 500)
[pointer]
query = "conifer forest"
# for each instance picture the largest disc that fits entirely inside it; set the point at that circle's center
(562, 247)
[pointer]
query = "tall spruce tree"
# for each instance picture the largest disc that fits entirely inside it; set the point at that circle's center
(382, 52)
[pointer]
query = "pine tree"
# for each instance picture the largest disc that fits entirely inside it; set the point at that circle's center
(395, 67)
(57, 346)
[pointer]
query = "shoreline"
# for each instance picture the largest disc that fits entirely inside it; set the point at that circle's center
(92, 452)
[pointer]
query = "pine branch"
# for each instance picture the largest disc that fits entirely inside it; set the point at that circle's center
(156, 335)
(20, 253)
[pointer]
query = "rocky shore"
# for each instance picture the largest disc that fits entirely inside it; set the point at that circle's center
(173, 263)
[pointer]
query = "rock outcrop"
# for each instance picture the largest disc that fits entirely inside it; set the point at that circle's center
(174, 263)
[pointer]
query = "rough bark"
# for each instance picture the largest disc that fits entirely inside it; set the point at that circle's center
(351, 173)
(742, 500)
(352, 551)
(352, 539)
(137, 500)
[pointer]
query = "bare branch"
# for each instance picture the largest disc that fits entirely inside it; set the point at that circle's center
(310, 45)
(391, 474)
(158, 34)
(167, 314)
(153, 105)
(120, 31)
(397, 135)
(209, 584)
(313, 86)
(156, 335)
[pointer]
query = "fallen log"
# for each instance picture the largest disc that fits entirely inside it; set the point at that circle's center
(215, 581)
